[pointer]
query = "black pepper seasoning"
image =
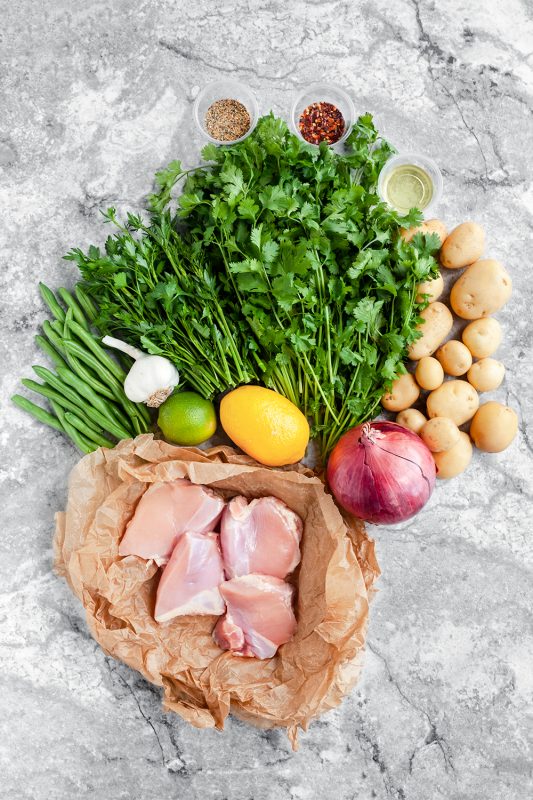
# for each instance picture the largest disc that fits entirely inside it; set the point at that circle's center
(227, 120)
(321, 122)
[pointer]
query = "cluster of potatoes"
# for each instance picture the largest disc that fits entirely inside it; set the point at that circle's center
(481, 290)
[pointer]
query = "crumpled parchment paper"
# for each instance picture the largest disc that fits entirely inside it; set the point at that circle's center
(307, 676)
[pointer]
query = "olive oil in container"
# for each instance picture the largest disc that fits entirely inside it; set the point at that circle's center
(410, 181)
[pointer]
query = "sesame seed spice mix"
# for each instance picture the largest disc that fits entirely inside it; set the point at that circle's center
(227, 120)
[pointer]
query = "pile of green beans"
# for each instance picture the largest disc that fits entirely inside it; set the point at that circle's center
(85, 392)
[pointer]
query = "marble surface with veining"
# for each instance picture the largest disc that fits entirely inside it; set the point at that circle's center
(94, 97)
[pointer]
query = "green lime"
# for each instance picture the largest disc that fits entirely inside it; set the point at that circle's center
(187, 418)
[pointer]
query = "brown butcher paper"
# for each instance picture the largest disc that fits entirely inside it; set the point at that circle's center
(202, 683)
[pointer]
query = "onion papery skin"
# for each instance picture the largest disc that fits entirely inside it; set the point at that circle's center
(381, 472)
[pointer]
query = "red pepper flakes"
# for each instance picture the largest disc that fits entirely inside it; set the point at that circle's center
(321, 122)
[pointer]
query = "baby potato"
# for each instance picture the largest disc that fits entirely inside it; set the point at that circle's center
(481, 290)
(432, 288)
(455, 357)
(486, 374)
(440, 433)
(428, 226)
(404, 393)
(457, 400)
(483, 336)
(412, 419)
(463, 246)
(455, 460)
(429, 373)
(494, 427)
(437, 324)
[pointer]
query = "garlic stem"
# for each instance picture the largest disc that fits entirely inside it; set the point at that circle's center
(118, 344)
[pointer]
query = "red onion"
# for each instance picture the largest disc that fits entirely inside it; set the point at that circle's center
(381, 472)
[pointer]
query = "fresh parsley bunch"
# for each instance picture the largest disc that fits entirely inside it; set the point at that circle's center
(289, 271)
(312, 260)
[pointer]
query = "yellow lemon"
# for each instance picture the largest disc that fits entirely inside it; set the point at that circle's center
(265, 425)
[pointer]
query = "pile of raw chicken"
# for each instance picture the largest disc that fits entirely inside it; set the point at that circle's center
(238, 573)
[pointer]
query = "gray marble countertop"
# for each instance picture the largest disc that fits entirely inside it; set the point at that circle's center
(95, 96)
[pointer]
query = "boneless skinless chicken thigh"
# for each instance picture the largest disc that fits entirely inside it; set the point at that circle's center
(259, 616)
(190, 583)
(163, 514)
(261, 536)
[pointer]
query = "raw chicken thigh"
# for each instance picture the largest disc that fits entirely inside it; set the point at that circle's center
(164, 513)
(259, 616)
(190, 581)
(262, 536)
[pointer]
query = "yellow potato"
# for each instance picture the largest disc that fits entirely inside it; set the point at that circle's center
(440, 433)
(481, 290)
(463, 246)
(457, 400)
(412, 419)
(455, 357)
(432, 288)
(454, 461)
(437, 324)
(404, 393)
(494, 427)
(429, 373)
(486, 375)
(483, 336)
(428, 226)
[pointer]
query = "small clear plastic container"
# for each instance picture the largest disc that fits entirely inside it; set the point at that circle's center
(225, 90)
(423, 199)
(323, 93)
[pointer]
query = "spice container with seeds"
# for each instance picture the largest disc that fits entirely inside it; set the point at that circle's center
(322, 113)
(226, 111)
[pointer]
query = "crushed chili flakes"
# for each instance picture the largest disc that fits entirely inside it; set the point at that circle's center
(321, 122)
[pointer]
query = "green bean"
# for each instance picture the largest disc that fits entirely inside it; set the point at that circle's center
(93, 426)
(68, 319)
(85, 302)
(143, 414)
(79, 369)
(51, 301)
(72, 380)
(50, 351)
(137, 426)
(81, 426)
(89, 377)
(57, 327)
(61, 413)
(101, 420)
(54, 382)
(79, 351)
(72, 387)
(132, 410)
(37, 412)
(71, 303)
(95, 347)
(65, 386)
(76, 437)
(137, 411)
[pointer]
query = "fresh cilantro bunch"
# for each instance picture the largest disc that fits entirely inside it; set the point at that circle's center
(312, 260)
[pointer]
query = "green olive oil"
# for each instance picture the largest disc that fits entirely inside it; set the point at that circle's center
(408, 186)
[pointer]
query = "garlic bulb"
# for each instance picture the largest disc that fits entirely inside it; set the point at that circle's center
(151, 379)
